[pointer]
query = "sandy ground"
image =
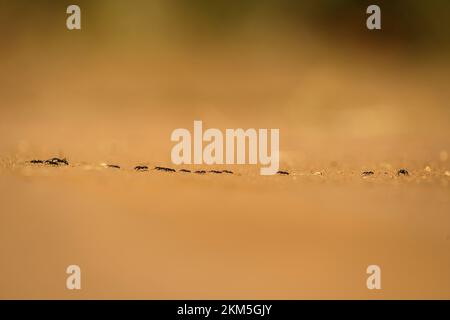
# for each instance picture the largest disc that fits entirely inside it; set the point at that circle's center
(179, 235)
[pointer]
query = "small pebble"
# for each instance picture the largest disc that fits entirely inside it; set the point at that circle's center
(427, 169)
(317, 173)
(447, 173)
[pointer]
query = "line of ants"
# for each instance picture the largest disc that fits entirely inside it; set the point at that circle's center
(51, 162)
(58, 162)
(165, 169)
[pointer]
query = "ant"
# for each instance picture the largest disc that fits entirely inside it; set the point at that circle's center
(51, 163)
(367, 173)
(141, 168)
(57, 161)
(283, 173)
(215, 171)
(200, 172)
(185, 170)
(164, 169)
(113, 166)
(403, 172)
(36, 161)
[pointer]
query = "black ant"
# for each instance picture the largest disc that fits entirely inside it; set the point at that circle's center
(215, 171)
(113, 166)
(141, 168)
(367, 173)
(200, 172)
(283, 172)
(64, 161)
(57, 161)
(185, 170)
(403, 172)
(165, 169)
(227, 171)
(36, 161)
